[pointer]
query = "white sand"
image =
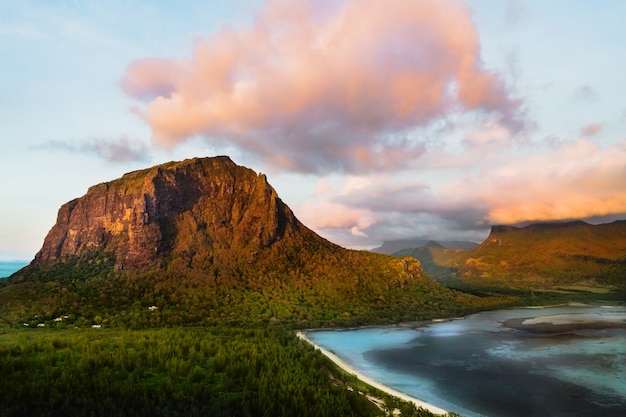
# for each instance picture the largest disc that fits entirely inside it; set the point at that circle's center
(340, 363)
(560, 319)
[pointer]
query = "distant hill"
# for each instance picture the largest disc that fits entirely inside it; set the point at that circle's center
(421, 252)
(544, 255)
(390, 247)
(431, 258)
(207, 241)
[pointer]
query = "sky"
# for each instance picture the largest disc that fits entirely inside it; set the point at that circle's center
(373, 119)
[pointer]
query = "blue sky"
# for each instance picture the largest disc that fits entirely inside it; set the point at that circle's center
(427, 119)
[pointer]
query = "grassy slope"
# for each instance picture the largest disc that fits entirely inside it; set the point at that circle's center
(346, 289)
(574, 255)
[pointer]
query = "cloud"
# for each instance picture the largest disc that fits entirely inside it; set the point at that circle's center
(576, 181)
(592, 129)
(154, 77)
(487, 138)
(579, 180)
(120, 150)
(380, 208)
(324, 211)
(328, 215)
(325, 89)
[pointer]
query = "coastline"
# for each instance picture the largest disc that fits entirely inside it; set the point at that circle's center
(391, 391)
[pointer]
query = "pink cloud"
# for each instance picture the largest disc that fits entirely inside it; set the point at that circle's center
(487, 138)
(325, 89)
(324, 214)
(592, 129)
(155, 77)
(579, 180)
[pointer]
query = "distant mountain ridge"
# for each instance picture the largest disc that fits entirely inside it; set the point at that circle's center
(390, 247)
(541, 255)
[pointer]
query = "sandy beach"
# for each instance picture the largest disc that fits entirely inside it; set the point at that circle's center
(563, 324)
(343, 365)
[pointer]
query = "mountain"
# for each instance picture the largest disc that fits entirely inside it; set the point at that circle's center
(207, 241)
(421, 252)
(389, 247)
(574, 254)
(432, 256)
(177, 212)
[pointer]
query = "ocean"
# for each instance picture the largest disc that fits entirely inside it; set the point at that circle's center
(487, 365)
(9, 267)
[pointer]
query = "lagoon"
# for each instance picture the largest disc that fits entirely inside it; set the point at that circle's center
(558, 361)
(9, 267)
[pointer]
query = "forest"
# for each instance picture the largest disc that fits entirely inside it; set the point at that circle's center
(181, 371)
(85, 291)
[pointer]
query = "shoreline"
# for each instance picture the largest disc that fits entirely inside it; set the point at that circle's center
(301, 334)
(391, 391)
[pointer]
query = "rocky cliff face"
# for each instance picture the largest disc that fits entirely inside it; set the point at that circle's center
(176, 208)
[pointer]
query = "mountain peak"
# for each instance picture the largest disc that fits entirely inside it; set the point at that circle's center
(539, 226)
(146, 216)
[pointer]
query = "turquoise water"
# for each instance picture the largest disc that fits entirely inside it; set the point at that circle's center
(481, 367)
(9, 267)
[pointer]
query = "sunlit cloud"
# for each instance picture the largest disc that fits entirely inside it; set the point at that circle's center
(487, 138)
(579, 180)
(326, 89)
(592, 129)
(325, 214)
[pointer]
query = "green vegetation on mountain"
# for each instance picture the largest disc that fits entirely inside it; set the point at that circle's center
(567, 257)
(346, 289)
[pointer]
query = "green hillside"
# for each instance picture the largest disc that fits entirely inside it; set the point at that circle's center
(572, 256)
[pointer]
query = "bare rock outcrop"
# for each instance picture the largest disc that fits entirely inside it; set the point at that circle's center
(179, 207)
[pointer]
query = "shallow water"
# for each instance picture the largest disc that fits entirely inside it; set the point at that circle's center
(480, 367)
(9, 267)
